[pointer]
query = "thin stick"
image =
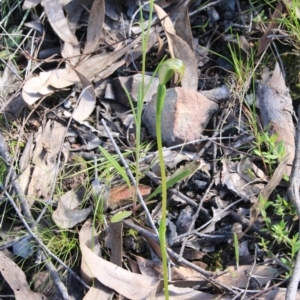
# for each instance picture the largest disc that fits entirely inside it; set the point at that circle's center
(195, 216)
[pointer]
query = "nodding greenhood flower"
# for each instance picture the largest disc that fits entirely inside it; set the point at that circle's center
(168, 68)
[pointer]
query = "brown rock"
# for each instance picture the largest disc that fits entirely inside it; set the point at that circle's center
(185, 116)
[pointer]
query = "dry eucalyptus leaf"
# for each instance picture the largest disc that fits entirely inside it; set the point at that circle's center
(59, 22)
(88, 237)
(167, 25)
(47, 146)
(127, 284)
(181, 50)
(45, 83)
(183, 24)
(239, 279)
(16, 279)
(67, 215)
(149, 267)
(237, 184)
(87, 101)
(94, 30)
(98, 291)
(185, 273)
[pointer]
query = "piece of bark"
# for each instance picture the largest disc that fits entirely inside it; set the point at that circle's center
(276, 109)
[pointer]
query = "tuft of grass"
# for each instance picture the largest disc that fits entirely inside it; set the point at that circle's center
(280, 228)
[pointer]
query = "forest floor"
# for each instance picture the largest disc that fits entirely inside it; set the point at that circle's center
(82, 183)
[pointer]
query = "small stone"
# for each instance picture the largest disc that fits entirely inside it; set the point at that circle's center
(184, 118)
(131, 84)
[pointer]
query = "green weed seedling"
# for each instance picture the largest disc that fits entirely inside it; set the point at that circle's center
(280, 232)
(270, 151)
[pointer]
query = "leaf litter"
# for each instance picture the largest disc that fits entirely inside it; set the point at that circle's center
(215, 191)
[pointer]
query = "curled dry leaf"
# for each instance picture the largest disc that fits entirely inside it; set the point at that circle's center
(67, 215)
(130, 285)
(60, 24)
(181, 50)
(46, 82)
(16, 279)
(183, 24)
(87, 101)
(273, 24)
(87, 237)
(96, 20)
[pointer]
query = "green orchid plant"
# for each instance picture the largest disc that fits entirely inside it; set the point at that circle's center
(166, 71)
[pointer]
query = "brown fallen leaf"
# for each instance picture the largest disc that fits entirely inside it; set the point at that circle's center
(87, 101)
(30, 3)
(60, 25)
(88, 237)
(266, 40)
(94, 30)
(183, 24)
(98, 291)
(16, 279)
(123, 192)
(130, 285)
(67, 214)
(149, 267)
(47, 146)
(46, 82)
(239, 279)
(181, 50)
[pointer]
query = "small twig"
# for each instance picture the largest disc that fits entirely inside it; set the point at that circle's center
(195, 216)
(250, 274)
(293, 194)
(56, 279)
(129, 173)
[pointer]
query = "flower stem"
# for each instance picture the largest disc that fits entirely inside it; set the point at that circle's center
(161, 93)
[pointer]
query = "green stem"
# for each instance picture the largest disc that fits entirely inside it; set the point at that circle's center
(161, 93)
